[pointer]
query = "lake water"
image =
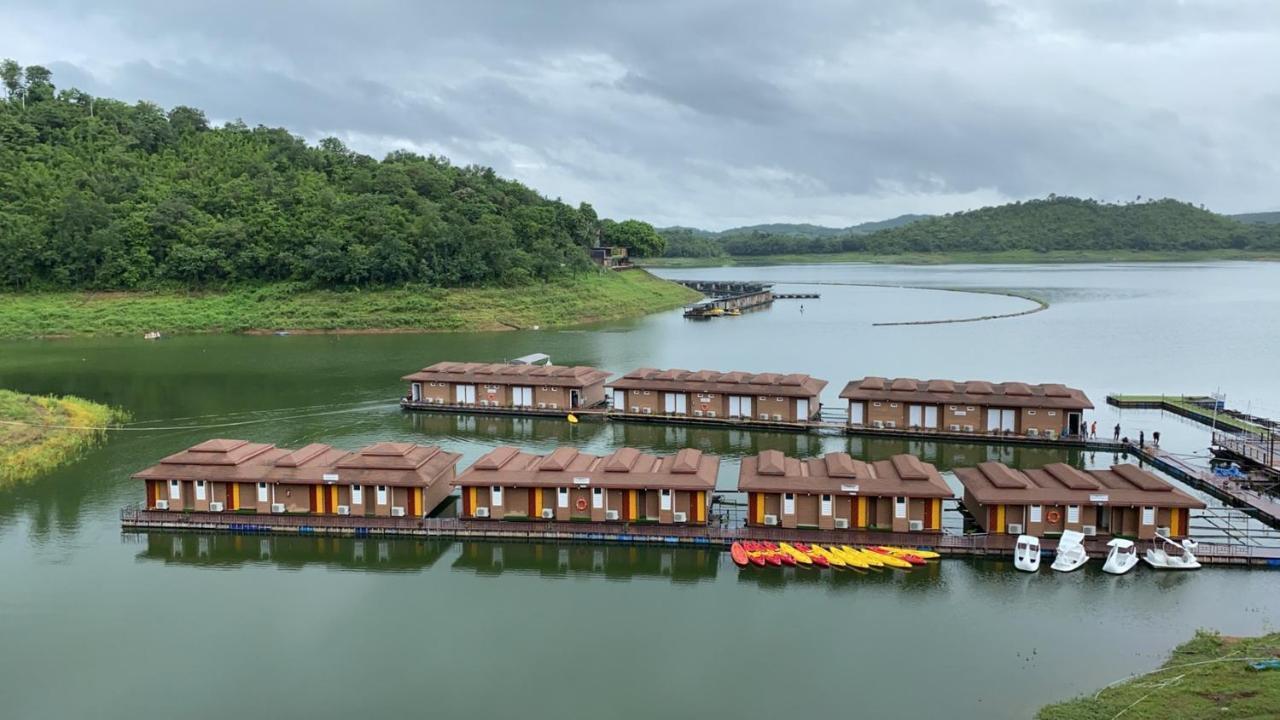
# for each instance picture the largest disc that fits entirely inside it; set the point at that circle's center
(96, 623)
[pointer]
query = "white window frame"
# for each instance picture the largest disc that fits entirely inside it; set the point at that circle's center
(357, 495)
(597, 498)
(915, 416)
(415, 391)
(464, 394)
(262, 492)
(825, 507)
(740, 406)
(664, 500)
(175, 489)
(382, 494)
(802, 409)
(674, 403)
(857, 413)
(201, 493)
(1148, 515)
(495, 495)
(788, 503)
(1037, 514)
(900, 508)
(562, 497)
(931, 417)
(1073, 514)
(522, 396)
(619, 399)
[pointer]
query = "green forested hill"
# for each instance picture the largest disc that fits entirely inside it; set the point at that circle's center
(1051, 224)
(100, 194)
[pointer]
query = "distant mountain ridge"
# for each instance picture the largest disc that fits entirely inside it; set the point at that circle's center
(799, 229)
(1054, 223)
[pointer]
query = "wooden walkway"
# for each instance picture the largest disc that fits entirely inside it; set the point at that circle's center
(1250, 449)
(971, 545)
(1265, 508)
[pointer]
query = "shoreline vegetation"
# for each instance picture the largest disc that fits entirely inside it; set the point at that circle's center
(1010, 257)
(36, 432)
(284, 307)
(1206, 677)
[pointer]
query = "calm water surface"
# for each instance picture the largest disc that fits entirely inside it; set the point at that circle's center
(214, 626)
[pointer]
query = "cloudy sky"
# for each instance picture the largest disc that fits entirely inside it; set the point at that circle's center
(718, 113)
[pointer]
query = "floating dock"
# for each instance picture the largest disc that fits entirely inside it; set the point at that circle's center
(949, 544)
(1203, 409)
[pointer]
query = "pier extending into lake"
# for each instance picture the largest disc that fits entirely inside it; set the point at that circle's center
(721, 536)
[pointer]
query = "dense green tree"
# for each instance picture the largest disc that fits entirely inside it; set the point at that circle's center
(96, 193)
(638, 237)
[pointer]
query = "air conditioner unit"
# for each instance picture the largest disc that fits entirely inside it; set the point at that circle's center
(1049, 434)
(842, 523)
(777, 417)
(1089, 530)
(162, 504)
(877, 423)
(484, 403)
(482, 512)
(953, 428)
(397, 511)
(770, 519)
(915, 525)
(646, 411)
(548, 514)
(968, 428)
(277, 507)
(679, 517)
(553, 406)
(697, 413)
(215, 507)
(764, 416)
(890, 423)
(1014, 529)
(1032, 432)
(610, 514)
(542, 406)
(1163, 531)
(344, 509)
(711, 413)
(635, 409)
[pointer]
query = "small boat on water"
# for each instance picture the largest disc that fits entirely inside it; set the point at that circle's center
(153, 335)
(1121, 558)
(816, 558)
(923, 554)
(1159, 558)
(890, 559)
(783, 557)
(755, 553)
(1026, 553)
(1071, 554)
(873, 560)
(796, 556)
(851, 559)
(832, 559)
(739, 555)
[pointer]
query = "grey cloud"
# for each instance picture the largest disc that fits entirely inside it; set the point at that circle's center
(722, 112)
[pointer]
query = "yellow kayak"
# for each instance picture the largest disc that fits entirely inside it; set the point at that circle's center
(890, 560)
(832, 559)
(922, 554)
(799, 557)
(872, 560)
(851, 559)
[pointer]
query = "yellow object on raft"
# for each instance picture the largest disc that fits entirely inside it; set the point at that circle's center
(922, 554)
(572, 418)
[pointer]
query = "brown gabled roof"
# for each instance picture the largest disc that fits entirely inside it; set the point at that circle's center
(972, 392)
(317, 463)
(507, 466)
(577, 376)
(993, 483)
(840, 474)
(726, 383)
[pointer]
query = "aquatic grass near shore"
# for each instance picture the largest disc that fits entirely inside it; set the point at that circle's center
(285, 307)
(38, 433)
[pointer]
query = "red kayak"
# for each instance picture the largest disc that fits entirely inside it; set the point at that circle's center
(739, 554)
(819, 560)
(782, 558)
(754, 552)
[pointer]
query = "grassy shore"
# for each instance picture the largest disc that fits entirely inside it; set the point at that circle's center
(1206, 677)
(974, 258)
(586, 298)
(31, 439)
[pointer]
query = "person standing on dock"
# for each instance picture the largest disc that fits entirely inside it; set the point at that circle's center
(1116, 437)
(1142, 438)
(1155, 437)
(1093, 430)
